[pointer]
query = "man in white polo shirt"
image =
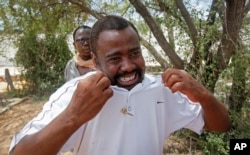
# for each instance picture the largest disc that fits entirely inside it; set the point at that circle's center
(119, 110)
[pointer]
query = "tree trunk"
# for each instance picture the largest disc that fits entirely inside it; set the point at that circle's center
(216, 63)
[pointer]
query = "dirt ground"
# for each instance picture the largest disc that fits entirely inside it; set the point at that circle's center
(13, 119)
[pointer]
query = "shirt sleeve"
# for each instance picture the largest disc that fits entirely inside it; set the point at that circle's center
(51, 109)
(71, 71)
(185, 114)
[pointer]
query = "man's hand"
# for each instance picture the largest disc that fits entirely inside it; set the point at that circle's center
(89, 97)
(180, 80)
(215, 113)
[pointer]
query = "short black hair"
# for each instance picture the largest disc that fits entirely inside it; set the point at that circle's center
(109, 22)
(80, 27)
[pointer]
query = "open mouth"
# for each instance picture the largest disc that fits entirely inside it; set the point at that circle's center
(128, 79)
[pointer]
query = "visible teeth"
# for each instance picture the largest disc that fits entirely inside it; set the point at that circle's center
(125, 79)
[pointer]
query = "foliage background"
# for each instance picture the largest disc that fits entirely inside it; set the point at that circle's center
(43, 61)
(211, 43)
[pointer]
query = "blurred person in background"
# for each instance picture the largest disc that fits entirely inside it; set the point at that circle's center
(81, 63)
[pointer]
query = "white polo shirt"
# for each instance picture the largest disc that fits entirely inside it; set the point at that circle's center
(135, 122)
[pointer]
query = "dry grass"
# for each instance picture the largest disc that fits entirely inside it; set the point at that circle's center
(12, 120)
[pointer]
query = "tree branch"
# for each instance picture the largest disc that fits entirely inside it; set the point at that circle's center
(212, 13)
(185, 14)
(246, 9)
(169, 12)
(157, 32)
(155, 53)
(85, 8)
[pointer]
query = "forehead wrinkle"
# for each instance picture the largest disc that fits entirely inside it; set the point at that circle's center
(111, 36)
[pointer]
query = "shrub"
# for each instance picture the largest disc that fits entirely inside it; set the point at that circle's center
(42, 60)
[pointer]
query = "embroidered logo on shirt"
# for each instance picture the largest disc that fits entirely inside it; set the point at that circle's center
(158, 102)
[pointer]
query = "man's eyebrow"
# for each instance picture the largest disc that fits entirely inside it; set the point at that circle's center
(135, 48)
(115, 53)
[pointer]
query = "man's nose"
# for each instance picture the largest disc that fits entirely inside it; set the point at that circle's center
(127, 65)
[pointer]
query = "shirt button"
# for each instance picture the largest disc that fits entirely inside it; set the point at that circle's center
(129, 108)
